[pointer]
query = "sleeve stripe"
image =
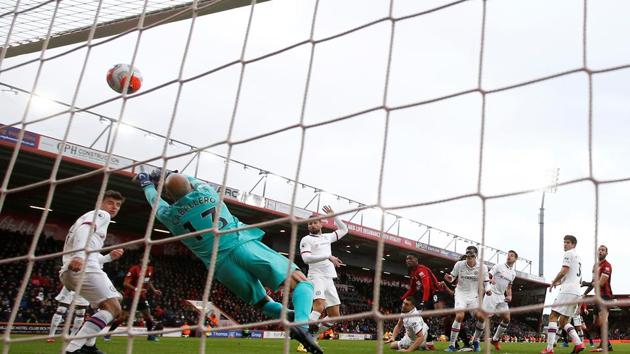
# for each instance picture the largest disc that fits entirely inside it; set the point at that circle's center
(305, 252)
(337, 235)
(87, 223)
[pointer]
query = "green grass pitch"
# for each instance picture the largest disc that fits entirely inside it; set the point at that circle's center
(257, 346)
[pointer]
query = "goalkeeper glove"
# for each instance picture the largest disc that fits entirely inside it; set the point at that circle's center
(155, 174)
(143, 179)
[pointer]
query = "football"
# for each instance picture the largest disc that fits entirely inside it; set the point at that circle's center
(118, 75)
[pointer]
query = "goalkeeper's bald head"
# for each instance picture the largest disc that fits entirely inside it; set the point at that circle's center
(177, 186)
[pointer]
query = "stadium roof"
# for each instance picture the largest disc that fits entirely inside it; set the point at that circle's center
(35, 161)
(75, 18)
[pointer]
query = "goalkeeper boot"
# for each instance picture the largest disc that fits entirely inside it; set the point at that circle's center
(301, 349)
(451, 348)
(301, 335)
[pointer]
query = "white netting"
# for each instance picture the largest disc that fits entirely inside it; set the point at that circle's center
(389, 26)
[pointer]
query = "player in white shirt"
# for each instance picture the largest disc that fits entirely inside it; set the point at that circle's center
(89, 232)
(467, 274)
(65, 298)
(569, 278)
(416, 330)
(497, 298)
(316, 252)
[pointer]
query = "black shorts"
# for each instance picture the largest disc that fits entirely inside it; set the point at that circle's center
(142, 304)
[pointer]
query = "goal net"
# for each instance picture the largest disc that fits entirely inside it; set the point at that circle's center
(428, 127)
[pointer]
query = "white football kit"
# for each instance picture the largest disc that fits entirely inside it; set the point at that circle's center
(315, 251)
(66, 296)
(503, 276)
(96, 287)
(569, 285)
(467, 289)
(413, 325)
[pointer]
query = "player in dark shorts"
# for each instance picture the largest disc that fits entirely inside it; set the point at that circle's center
(603, 271)
(131, 286)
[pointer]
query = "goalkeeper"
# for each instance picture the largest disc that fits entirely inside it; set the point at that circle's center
(244, 264)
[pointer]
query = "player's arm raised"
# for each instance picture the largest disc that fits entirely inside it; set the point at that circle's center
(143, 179)
(342, 228)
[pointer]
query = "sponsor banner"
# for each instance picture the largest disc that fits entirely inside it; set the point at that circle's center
(286, 209)
(83, 153)
(225, 334)
(273, 335)
(231, 193)
(354, 336)
(26, 328)
(122, 331)
(256, 334)
(11, 134)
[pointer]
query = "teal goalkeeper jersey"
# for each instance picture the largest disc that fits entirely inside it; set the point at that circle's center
(196, 211)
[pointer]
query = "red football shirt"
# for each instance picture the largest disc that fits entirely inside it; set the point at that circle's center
(423, 281)
(605, 268)
(132, 277)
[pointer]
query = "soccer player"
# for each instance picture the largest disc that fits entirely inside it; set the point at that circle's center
(243, 263)
(603, 270)
(497, 297)
(467, 274)
(316, 252)
(416, 330)
(66, 296)
(89, 232)
(445, 295)
(130, 287)
(422, 282)
(569, 278)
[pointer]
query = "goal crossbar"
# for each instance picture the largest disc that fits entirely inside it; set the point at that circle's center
(120, 25)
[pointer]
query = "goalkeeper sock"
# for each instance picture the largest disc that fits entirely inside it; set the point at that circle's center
(303, 301)
(272, 309)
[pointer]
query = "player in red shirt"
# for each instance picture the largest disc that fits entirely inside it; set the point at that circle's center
(603, 271)
(422, 283)
(131, 286)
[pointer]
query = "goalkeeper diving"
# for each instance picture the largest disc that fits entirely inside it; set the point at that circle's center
(244, 264)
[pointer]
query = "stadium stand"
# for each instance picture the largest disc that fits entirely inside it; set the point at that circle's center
(181, 277)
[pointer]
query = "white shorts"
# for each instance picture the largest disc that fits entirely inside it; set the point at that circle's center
(96, 287)
(465, 301)
(405, 342)
(494, 302)
(324, 288)
(66, 296)
(566, 310)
